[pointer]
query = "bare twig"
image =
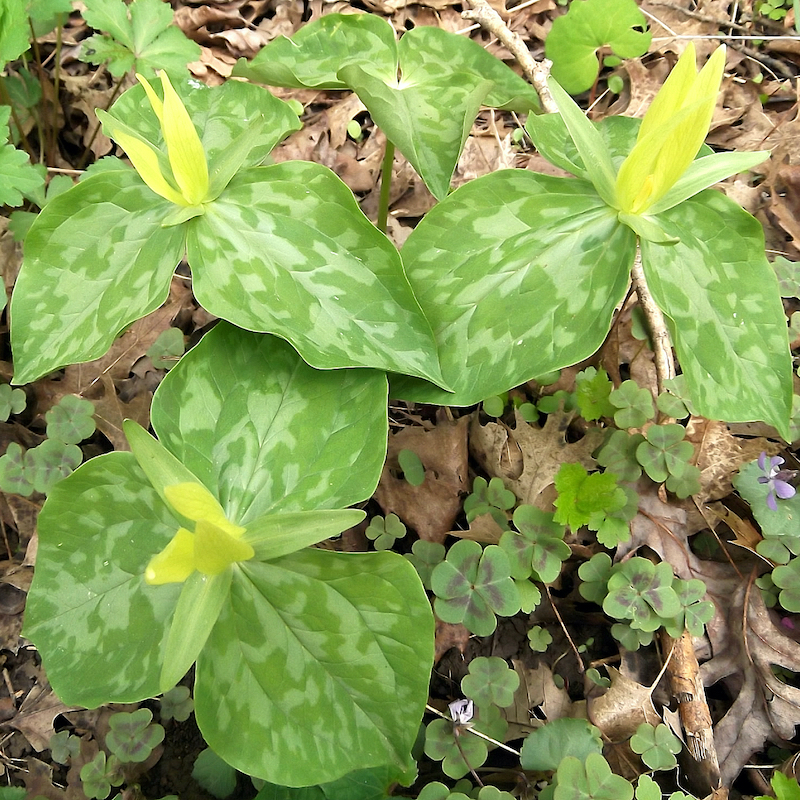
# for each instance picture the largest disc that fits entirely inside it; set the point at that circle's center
(535, 71)
(662, 347)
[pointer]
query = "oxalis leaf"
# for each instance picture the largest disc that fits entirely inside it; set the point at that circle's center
(310, 648)
(722, 305)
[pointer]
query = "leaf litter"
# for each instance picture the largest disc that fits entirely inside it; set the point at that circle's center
(750, 656)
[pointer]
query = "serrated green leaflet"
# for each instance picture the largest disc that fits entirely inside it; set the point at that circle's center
(344, 630)
(240, 403)
(74, 294)
(89, 611)
(525, 265)
(732, 345)
(286, 250)
(575, 38)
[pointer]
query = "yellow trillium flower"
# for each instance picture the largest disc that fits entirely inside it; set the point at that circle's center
(215, 544)
(188, 184)
(672, 131)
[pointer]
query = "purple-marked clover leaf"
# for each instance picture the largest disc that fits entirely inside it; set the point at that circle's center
(592, 389)
(99, 775)
(776, 480)
(176, 704)
(657, 745)
(473, 585)
(537, 546)
(385, 532)
(583, 496)
(665, 452)
(71, 420)
(47, 463)
(618, 454)
(133, 735)
(490, 680)
(642, 592)
(425, 556)
(634, 405)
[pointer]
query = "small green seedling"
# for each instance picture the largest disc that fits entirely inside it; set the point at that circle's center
(64, 747)
(539, 639)
(12, 401)
(99, 775)
(489, 498)
(215, 775)
(176, 704)
(411, 464)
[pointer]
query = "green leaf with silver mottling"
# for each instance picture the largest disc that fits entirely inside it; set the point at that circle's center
(74, 294)
(286, 250)
(315, 54)
(349, 636)
(428, 133)
(266, 433)
(89, 612)
(723, 309)
(524, 265)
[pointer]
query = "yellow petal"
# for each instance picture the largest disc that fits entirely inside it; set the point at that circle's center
(155, 100)
(185, 150)
(216, 550)
(195, 502)
(175, 563)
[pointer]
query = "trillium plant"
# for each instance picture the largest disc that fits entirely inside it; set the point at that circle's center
(205, 545)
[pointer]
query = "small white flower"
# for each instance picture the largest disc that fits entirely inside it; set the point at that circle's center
(462, 711)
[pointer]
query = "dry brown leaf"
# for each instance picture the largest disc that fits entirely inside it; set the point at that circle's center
(431, 508)
(448, 636)
(621, 709)
(543, 450)
(482, 529)
(35, 717)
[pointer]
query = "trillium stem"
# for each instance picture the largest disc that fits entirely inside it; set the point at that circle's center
(662, 345)
(386, 186)
(537, 72)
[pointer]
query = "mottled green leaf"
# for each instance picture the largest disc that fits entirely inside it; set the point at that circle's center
(307, 655)
(89, 612)
(75, 293)
(286, 250)
(723, 309)
(514, 263)
(545, 747)
(265, 432)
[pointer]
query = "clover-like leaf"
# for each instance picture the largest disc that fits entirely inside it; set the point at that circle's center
(12, 401)
(71, 420)
(583, 496)
(629, 637)
(539, 639)
(216, 776)
(618, 454)
(657, 745)
(490, 680)
(99, 775)
(474, 585)
(13, 478)
(440, 745)
(695, 613)
(489, 498)
(133, 735)
(634, 405)
(49, 462)
(665, 452)
(176, 704)
(639, 590)
(594, 575)
(590, 779)
(425, 556)
(787, 578)
(385, 532)
(537, 546)
(64, 746)
(575, 38)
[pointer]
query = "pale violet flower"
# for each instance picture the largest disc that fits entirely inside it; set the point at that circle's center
(776, 479)
(462, 711)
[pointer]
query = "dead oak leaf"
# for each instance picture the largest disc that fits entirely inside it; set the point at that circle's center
(35, 718)
(543, 451)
